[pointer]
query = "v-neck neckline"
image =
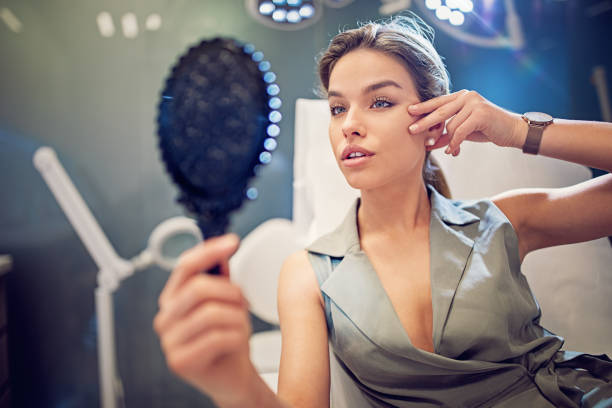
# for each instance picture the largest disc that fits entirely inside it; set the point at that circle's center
(380, 287)
(355, 288)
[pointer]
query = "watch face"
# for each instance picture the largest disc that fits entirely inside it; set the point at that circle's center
(538, 117)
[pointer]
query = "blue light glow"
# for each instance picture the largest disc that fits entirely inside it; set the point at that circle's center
(269, 77)
(275, 116)
(257, 56)
(264, 65)
(265, 157)
(249, 48)
(273, 130)
(252, 193)
(273, 89)
(274, 103)
(270, 144)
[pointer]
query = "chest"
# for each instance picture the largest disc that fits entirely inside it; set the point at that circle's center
(403, 269)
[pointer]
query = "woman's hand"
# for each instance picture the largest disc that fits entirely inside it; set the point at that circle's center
(204, 326)
(468, 116)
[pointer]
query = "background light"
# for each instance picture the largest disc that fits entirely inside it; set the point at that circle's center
(129, 24)
(286, 14)
(443, 13)
(270, 144)
(273, 130)
(453, 4)
(466, 6)
(456, 18)
(105, 24)
(265, 157)
(293, 16)
(153, 22)
(279, 15)
(266, 8)
(433, 4)
(275, 103)
(252, 193)
(273, 90)
(307, 11)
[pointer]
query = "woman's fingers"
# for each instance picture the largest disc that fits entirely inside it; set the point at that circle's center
(463, 130)
(199, 289)
(198, 259)
(426, 107)
(441, 113)
(196, 356)
(209, 316)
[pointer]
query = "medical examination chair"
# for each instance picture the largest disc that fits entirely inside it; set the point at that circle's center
(572, 283)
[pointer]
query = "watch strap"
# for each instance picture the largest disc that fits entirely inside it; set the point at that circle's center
(534, 138)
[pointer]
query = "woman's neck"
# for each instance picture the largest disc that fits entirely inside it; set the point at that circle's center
(394, 211)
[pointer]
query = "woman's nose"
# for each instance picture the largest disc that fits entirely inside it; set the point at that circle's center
(352, 125)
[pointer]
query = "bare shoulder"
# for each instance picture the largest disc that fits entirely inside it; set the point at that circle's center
(297, 277)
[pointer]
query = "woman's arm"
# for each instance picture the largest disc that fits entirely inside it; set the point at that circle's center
(472, 117)
(304, 369)
(541, 217)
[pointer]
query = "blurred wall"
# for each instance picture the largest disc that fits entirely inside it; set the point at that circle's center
(93, 99)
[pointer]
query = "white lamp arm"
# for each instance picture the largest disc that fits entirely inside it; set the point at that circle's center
(81, 218)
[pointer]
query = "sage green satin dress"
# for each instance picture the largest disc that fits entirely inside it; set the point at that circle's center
(489, 348)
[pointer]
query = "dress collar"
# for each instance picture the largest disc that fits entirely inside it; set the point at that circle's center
(355, 288)
(345, 238)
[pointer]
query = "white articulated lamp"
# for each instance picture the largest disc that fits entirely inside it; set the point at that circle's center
(112, 268)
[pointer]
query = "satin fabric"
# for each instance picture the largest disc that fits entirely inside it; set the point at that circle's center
(489, 348)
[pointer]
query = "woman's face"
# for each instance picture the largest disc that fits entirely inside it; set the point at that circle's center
(369, 93)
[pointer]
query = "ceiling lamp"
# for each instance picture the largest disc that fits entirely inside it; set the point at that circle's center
(288, 14)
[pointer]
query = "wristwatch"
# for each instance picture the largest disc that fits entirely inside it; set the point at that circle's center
(537, 122)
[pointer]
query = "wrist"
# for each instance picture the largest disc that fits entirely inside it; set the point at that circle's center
(520, 130)
(254, 393)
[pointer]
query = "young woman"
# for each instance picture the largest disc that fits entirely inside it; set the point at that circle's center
(420, 297)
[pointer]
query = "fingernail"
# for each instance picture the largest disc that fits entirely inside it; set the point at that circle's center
(447, 150)
(413, 128)
(430, 141)
(412, 107)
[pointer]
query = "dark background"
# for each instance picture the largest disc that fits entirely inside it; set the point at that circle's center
(93, 99)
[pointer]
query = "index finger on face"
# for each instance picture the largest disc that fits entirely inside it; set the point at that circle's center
(200, 258)
(432, 104)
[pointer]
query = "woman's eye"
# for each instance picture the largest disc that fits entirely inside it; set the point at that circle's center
(336, 110)
(381, 103)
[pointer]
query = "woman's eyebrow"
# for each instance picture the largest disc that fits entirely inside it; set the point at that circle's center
(370, 88)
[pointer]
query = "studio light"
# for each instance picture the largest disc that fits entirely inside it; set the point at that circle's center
(490, 24)
(287, 14)
(451, 10)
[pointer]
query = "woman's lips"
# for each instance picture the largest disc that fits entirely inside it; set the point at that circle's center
(357, 161)
(350, 149)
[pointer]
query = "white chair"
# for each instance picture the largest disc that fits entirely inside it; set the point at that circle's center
(570, 282)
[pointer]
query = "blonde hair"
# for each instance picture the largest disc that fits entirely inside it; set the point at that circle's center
(409, 40)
